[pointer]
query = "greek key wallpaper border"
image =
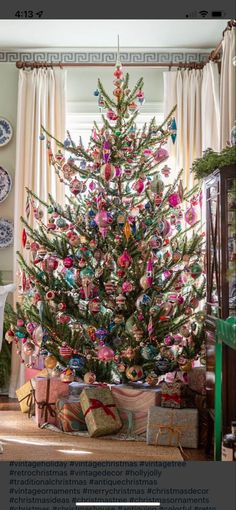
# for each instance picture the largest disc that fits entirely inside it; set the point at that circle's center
(103, 57)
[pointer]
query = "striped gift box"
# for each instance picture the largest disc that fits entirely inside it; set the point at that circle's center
(70, 417)
(137, 401)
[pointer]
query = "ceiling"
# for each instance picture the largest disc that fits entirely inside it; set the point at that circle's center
(74, 34)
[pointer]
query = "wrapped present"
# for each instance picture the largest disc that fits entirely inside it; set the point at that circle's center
(47, 392)
(173, 394)
(70, 416)
(197, 380)
(26, 398)
(100, 412)
(173, 427)
(133, 403)
(31, 373)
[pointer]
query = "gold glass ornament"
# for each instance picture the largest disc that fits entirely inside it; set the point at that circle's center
(50, 361)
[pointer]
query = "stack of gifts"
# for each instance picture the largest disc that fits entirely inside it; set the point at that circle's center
(197, 387)
(176, 421)
(133, 404)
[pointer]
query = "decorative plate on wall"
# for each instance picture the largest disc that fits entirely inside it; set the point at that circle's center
(6, 233)
(6, 131)
(5, 183)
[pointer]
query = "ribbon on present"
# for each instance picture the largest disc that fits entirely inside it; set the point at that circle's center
(45, 405)
(174, 431)
(173, 396)
(129, 420)
(30, 401)
(98, 404)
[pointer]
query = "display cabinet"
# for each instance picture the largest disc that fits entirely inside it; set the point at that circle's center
(220, 201)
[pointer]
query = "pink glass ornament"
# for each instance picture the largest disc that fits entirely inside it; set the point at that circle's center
(191, 216)
(105, 354)
(102, 218)
(92, 186)
(140, 317)
(161, 154)
(106, 151)
(174, 199)
(166, 171)
(68, 262)
(127, 286)
(125, 260)
(138, 186)
(20, 323)
(147, 152)
(167, 228)
(117, 171)
(64, 319)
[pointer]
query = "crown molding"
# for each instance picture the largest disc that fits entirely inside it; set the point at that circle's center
(93, 57)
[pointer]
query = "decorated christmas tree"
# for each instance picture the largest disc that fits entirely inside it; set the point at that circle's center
(114, 281)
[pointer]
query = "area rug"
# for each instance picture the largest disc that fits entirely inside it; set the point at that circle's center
(22, 440)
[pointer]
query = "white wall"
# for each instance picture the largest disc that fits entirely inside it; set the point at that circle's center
(8, 109)
(82, 81)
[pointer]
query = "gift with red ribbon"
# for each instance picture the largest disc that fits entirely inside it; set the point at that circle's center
(173, 394)
(100, 412)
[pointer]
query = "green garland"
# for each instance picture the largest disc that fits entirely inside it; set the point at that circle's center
(211, 160)
(5, 355)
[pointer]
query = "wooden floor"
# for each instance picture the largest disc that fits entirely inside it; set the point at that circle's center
(101, 450)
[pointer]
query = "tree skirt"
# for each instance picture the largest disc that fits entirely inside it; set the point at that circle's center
(22, 440)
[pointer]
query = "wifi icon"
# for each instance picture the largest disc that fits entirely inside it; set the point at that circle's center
(203, 13)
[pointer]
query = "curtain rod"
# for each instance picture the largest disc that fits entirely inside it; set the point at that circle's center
(23, 65)
(214, 56)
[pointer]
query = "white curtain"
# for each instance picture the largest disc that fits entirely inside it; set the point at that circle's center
(41, 101)
(210, 107)
(227, 86)
(196, 94)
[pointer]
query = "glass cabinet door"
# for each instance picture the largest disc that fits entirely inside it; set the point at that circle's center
(231, 234)
(213, 262)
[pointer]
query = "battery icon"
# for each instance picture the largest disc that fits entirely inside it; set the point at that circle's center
(217, 14)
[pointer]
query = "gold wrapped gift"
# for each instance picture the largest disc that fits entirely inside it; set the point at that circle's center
(173, 427)
(100, 412)
(26, 398)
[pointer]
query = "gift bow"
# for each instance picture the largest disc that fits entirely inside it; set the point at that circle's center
(97, 404)
(46, 406)
(173, 431)
(30, 402)
(174, 396)
(129, 419)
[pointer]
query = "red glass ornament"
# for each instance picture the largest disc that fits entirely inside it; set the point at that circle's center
(24, 237)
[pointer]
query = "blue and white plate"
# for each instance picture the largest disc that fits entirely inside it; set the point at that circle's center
(6, 131)
(5, 183)
(6, 233)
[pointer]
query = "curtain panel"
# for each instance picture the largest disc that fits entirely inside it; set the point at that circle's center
(196, 94)
(227, 87)
(41, 101)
